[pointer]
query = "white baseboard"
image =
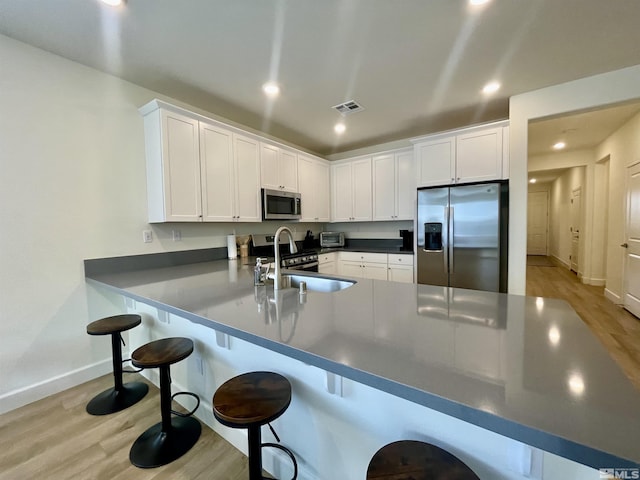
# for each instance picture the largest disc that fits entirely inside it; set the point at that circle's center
(617, 299)
(596, 282)
(559, 261)
(37, 391)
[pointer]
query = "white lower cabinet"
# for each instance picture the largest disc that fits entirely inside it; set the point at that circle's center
(376, 266)
(327, 263)
(400, 268)
(364, 265)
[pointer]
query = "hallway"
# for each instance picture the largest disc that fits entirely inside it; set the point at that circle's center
(617, 329)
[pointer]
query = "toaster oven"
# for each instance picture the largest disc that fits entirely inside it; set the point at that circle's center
(331, 239)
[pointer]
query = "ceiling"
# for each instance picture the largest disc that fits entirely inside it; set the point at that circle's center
(416, 66)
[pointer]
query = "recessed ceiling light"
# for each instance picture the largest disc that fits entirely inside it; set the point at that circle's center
(340, 128)
(478, 2)
(271, 89)
(490, 88)
(113, 3)
(533, 180)
(559, 146)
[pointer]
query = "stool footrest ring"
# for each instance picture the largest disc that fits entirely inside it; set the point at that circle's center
(188, 414)
(130, 370)
(289, 454)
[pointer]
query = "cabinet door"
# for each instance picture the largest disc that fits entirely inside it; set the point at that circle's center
(328, 268)
(181, 168)
(400, 273)
(216, 162)
(384, 187)
(375, 271)
(269, 166)
(322, 189)
(406, 195)
(362, 190)
(306, 185)
(350, 268)
(479, 156)
(247, 179)
(342, 198)
(436, 162)
(288, 170)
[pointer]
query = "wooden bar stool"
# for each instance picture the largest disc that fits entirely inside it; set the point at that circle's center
(121, 395)
(249, 401)
(173, 436)
(409, 459)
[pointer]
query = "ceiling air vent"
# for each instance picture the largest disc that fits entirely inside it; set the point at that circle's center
(347, 108)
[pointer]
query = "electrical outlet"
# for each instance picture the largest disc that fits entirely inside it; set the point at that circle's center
(147, 236)
(177, 235)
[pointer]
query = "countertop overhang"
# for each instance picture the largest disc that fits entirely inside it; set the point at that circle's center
(523, 367)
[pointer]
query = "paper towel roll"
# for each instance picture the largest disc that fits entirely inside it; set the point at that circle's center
(232, 250)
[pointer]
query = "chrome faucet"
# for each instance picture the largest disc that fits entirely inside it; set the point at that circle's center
(277, 276)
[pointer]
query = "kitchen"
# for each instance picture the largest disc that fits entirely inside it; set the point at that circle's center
(97, 205)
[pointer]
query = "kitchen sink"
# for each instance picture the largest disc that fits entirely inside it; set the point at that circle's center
(318, 284)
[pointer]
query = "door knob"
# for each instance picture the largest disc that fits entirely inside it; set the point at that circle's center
(624, 245)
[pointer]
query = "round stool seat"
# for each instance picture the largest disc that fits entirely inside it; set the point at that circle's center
(115, 324)
(254, 398)
(162, 352)
(417, 460)
(121, 395)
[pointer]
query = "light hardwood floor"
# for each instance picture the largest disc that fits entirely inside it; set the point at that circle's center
(617, 329)
(55, 438)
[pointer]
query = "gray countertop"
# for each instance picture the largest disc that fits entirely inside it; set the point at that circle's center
(523, 367)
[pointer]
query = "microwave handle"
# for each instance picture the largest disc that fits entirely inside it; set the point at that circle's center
(298, 207)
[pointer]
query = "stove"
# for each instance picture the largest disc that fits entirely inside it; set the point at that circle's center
(305, 260)
(262, 246)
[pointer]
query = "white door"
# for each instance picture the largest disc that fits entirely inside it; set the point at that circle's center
(537, 215)
(631, 284)
(576, 206)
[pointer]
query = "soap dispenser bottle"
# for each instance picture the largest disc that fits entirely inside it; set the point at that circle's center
(258, 279)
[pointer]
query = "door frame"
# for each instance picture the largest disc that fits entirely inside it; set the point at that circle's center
(626, 237)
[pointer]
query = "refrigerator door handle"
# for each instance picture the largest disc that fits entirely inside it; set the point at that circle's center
(445, 242)
(451, 222)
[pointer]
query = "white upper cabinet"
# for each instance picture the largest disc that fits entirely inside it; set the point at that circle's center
(198, 170)
(247, 179)
(314, 187)
(351, 191)
(436, 162)
(466, 156)
(230, 176)
(278, 167)
(394, 186)
(479, 156)
(173, 167)
(217, 167)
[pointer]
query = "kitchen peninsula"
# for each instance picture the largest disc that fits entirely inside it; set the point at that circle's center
(484, 375)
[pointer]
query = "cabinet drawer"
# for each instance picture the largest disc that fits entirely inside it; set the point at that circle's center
(364, 257)
(395, 259)
(327, 257)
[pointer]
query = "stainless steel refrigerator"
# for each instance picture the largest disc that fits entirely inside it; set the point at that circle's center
(462, 236)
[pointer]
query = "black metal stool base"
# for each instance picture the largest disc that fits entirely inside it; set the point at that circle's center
(155, 448)
(112, 400)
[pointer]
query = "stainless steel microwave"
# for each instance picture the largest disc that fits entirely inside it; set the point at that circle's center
(279, 205)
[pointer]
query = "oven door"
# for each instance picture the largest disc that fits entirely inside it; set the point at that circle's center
(307, 267)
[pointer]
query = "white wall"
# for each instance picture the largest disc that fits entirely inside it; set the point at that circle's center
(72, 187)
(622, 149)
(604, 89)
